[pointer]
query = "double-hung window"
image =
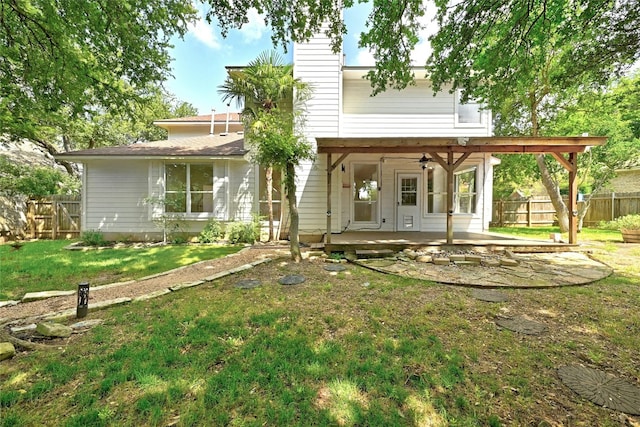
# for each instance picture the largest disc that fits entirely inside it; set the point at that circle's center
(189, 188)
(465, 191)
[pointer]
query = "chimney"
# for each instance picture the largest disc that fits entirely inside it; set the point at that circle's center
(213, 115)
(226, 126)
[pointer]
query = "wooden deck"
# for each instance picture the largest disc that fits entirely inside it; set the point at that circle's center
(351, 241)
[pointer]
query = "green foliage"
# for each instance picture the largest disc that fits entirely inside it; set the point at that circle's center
(243, 232)
(627, 222)
(34, 182)
(93, 238)
(212, 232)
(62, 59)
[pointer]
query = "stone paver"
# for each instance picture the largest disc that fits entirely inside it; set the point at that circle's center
(522, 325)
(534, 270)
(248, 284)
(489, 295)
(602, 388)
(335, 267)
(292, 279)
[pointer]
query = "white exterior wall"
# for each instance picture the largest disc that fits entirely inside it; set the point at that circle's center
(413, 111)
(200, 129)
(116, 196)
(316, 64)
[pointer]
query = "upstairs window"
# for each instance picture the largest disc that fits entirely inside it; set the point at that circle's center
(469, 114)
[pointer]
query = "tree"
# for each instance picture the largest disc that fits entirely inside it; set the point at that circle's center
(61, 60)
(277, 139)
(526, 60)
(265, 85)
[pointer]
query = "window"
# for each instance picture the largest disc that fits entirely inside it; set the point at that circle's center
(189, 188)
(365, 192)
(464, 196)
(467, 114)
(276, 195)
(465, 191)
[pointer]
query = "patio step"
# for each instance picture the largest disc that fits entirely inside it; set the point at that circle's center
(373, 253)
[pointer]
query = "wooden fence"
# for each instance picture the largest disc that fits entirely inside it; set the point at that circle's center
(533, 212)
(57, 217)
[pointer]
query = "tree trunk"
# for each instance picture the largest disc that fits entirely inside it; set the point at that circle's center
(553, 190)
(269, 181)
(52, 150)
(293, 211)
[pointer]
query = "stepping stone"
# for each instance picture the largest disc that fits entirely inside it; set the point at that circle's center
(335, 267)
(248, 284)
(522, 325)
(291, 279)
(489, 295)
(601, 388)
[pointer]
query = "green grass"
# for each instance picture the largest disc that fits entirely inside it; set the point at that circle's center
(330, 352)
(45, 265)
(586, 234)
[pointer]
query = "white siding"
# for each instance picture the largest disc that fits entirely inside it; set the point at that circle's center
(200, 129)
(316, 64)
(116, 193)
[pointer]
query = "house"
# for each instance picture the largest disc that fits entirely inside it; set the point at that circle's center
(402, 161)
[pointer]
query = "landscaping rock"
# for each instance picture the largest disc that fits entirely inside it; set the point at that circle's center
(248, 284)
(475, 259)
(335, 267)
(8, 303)
(490, 262)
(35, 296)
(291, 279)
(7, 350)
(441, 261)
(424, 258)
(86, 324)
(23, 328)
(457, 257)
(53, 330)
(508, 262)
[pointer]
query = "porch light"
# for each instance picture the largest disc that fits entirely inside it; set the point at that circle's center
(423, 161)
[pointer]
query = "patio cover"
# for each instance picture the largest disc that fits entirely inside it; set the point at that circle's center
(443, 150)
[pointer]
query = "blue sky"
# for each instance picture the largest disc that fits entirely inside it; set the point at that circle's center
(200, 58)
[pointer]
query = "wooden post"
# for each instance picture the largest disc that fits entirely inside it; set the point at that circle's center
(529, 207)
(450, 188)
(54, 219)
(328, 235)
(501, 212)
(31, 218)
(573, 199)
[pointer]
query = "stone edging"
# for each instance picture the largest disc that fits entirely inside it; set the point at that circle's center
(70, 313)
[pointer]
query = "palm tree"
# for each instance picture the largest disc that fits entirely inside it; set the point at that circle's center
(264, 85)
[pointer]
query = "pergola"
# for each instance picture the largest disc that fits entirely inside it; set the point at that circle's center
(444, 150)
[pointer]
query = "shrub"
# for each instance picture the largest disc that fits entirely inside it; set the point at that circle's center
(242, 232)
(627, 222)
(212, 232)
(93, 238)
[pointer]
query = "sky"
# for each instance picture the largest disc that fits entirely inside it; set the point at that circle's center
(199, 59)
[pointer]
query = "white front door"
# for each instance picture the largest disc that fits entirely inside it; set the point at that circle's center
(408, 199)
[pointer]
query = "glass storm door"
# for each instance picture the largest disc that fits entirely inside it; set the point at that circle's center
(408, 212)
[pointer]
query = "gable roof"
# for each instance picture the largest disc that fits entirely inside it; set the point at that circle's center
(208, 146)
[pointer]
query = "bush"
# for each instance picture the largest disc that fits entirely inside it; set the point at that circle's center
(627, 222)
(212, 232)
(242, 232)
(93, 238)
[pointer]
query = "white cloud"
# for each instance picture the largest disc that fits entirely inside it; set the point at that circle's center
(365, 58)
(255, 28)
(204, 32)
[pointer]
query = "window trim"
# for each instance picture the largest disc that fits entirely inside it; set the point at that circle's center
(187, 192)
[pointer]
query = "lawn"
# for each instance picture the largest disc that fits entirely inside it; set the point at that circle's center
(353, 348)
(45, 265)
(585, 235)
